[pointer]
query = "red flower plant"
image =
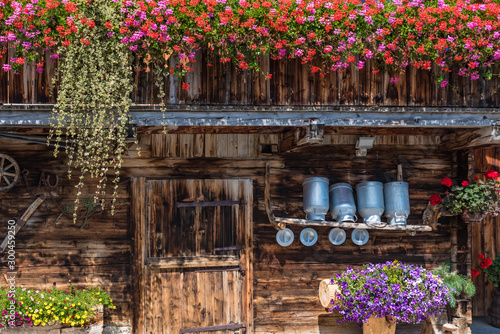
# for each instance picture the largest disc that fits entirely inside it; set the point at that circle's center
(435, 199)
(485, 263)
(492, 174)
(185, 86)
(474, 272)
(480, 256)
(447, 182)
(465, 183)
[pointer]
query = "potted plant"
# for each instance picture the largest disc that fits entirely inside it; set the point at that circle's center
(471, 200)
(457, 284)
(388, 293)
(492, 270)
(52, 308)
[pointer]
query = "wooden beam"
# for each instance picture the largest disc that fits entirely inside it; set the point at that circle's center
(269, 116)
(22, 221)
(313, 134)
(139, 271)
(267, 201)
(228, 327)
(194, 262)
(485, 136)
(304, 222)
(207, 204)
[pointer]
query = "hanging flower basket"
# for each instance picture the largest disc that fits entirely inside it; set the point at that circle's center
(472, 201)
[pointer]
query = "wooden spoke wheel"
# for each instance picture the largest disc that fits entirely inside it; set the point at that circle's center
(9, 172)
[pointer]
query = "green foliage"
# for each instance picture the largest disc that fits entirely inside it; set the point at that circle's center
(47, 306)
(493, 271)
(476, 197)
(456, 283)
(93, 102)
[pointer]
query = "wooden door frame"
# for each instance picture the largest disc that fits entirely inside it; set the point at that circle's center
(139, 269)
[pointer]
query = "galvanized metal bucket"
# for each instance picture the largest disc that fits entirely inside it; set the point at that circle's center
(397, 203)
(342, 206)
(315, 197)
(370, 196)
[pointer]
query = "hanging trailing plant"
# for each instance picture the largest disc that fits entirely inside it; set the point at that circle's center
(92, 109)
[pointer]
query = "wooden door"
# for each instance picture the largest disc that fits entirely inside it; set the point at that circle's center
(195, 256)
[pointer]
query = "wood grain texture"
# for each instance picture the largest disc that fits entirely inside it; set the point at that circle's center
(292, 83)
(485, 235)
(211, 289)
(284, 280)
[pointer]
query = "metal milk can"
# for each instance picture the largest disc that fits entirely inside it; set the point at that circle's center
(397, 202)
(370, 197)
(342, 206)
(315, 193)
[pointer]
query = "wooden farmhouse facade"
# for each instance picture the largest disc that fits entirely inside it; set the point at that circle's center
(192, 243)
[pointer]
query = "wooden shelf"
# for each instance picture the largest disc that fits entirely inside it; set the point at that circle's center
(305, 222)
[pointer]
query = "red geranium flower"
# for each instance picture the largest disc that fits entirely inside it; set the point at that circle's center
(435, 199)
(485, 263)
(447, 182)
(480, 256)
(474, 272)
(491, 174)
(185, 86)
(465, 183)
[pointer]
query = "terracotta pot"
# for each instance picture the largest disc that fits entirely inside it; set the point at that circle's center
(379, 326)
(469, 217)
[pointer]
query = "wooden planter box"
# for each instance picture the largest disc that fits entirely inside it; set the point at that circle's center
(96, 327)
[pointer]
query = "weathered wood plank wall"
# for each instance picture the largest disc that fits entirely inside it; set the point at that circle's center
(48, 252)
(485, 235)
(285, 279)
(292, 84)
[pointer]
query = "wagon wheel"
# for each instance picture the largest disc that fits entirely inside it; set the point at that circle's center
(9, 172)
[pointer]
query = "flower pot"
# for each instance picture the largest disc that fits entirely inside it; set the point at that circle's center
(470, 217)
(94, 326)
(379, 326)
(495, 310)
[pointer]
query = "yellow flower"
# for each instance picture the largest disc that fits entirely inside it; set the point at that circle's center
(62, 313)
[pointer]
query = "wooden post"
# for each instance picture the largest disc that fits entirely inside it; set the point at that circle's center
(138, 252)
(400, 173)
(267, 200)
(470, 177)
(454, 243)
